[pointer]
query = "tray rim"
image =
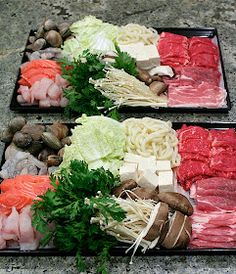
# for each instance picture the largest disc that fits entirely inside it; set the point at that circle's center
(119, 250)
(15, 106)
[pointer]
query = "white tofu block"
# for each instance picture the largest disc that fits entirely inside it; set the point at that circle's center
(165, 181)
(132, 158)
(128, 171)
(163, 165)
(148, 179)
(152, 58)
(133, 49)
(147, 163)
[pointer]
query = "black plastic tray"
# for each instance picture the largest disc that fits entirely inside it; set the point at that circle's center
(120, 249)
(189, 32)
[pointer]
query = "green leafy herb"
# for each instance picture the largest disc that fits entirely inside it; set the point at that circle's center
(124, 61)
(82, 96)
(78, 196)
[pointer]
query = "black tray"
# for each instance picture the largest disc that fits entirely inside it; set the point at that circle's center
(120, 249)
(189, 32)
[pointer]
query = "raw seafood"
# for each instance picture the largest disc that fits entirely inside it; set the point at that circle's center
(22, 163)
(21, 191)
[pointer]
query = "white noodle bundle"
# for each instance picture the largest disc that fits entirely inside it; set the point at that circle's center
(124, 89)
(148, 136)
(140, 216)
(134, 33)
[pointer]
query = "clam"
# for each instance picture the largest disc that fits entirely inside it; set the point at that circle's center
(64, 30)
(6, 135)
(61, 152)
(21, 139)
(54, 160)
(51, 140)
(66, 141)
(40, 32)
(32, 39)
(58, 129)
(53, 38)
(38, 44)
(35, 147)
(35, 131)
(16, 124)
(49, 25)
(43, 155)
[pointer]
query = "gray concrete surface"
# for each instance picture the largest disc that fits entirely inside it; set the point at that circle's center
(17, 17)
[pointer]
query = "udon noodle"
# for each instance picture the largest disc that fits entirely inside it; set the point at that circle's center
(134, 33)
(148, 136)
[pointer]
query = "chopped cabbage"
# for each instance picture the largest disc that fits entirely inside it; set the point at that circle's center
(90, 33)
(99, 141)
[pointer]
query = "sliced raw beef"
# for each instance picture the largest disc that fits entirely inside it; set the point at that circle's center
(199, 146)
(214, 217)
(192, 132)
(217, 183)
(195, 75)
(193, 156)
(205, 153)
(205, 60)
(204, 95)
(190, 171)
(173, 49)
(203, 52)
(198, 243)
(225, 160)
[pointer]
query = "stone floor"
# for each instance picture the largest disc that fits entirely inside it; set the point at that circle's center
(18, 17)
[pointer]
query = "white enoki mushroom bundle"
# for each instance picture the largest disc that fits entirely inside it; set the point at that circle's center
(140, 216)
(125, 89)
(134, 33)
(152, 137)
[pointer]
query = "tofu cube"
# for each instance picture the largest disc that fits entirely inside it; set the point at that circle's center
(129, 171)
(166, 180)
(148, 179)
(163, 165)
(133, 49)
(149, 58)
(132, 158)
(147, 163)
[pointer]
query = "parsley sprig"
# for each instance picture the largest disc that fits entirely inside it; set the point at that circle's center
(64, 215)
(83, 96)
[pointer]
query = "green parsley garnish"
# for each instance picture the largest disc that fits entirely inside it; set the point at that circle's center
(78, 196)
(124, 61)
(82, 96)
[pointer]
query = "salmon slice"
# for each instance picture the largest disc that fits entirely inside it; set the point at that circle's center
(40, 64)
(14, 199)
(20, 191)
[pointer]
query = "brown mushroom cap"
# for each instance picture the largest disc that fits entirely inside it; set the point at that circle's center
(144, 194)
(161, 219)
(176, 236)
(185, 235)
(176, 201)
(126, 185)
